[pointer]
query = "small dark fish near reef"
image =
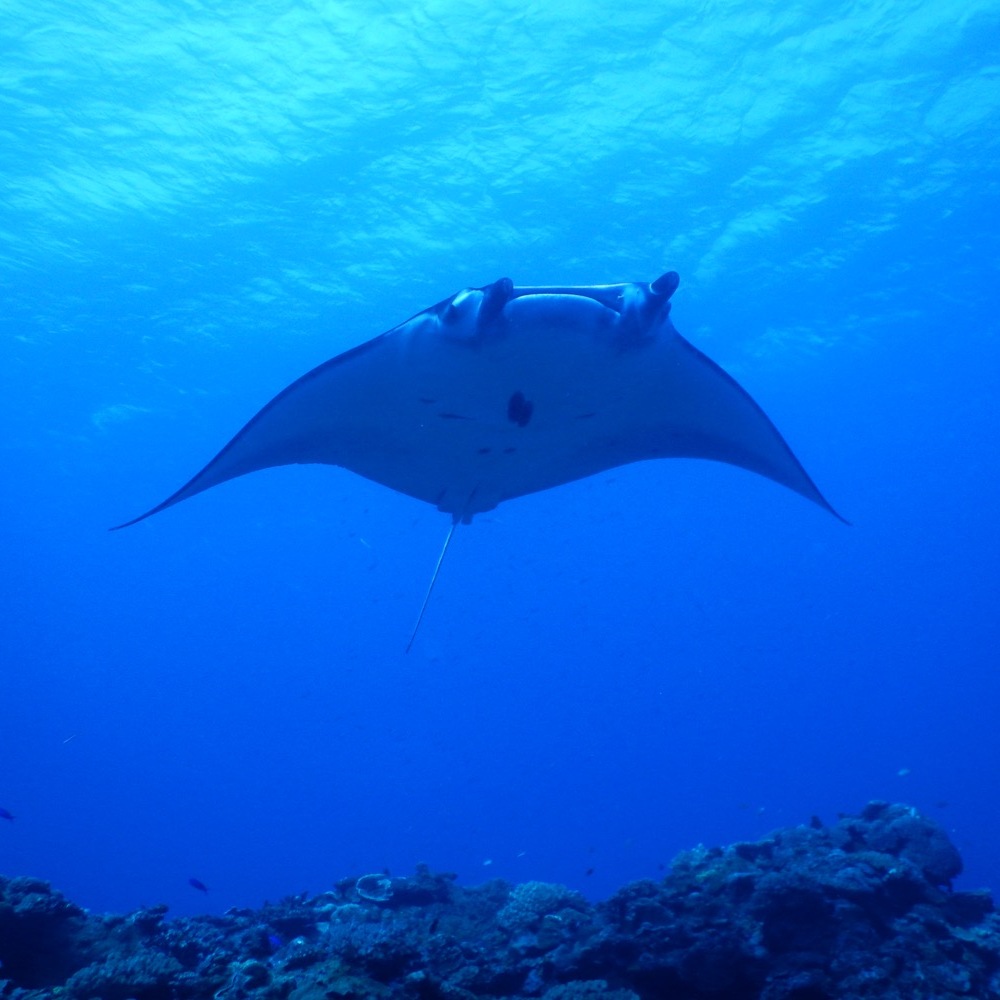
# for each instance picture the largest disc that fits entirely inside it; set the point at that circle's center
(196, 883)
(6, 814)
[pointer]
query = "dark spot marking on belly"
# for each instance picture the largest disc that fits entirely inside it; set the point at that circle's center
(519, 409)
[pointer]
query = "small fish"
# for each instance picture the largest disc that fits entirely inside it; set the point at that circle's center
(196, 883)
(5, 814)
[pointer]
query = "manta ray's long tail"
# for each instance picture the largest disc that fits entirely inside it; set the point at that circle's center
(430, 588)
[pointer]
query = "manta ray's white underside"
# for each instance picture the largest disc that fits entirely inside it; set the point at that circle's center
(501, 391)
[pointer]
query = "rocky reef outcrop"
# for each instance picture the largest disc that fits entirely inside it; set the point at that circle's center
(859, 909)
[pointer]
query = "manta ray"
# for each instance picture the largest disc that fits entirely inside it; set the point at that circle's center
(505, 390)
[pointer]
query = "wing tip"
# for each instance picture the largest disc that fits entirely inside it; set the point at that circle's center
(826, 505)
(808, 489)
(149, 513)
(128, 524)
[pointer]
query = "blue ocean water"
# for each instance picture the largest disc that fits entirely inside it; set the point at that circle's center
(200, 202)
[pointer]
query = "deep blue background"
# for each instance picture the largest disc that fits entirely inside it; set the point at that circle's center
(199, 203)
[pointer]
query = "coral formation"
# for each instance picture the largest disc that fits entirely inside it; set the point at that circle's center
(861, 909)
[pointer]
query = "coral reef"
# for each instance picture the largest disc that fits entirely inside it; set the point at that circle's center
(860, 909)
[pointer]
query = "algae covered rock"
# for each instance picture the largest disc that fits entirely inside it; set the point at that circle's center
(859, 909)
(901, 831)
(44, 938)
(531, 902)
